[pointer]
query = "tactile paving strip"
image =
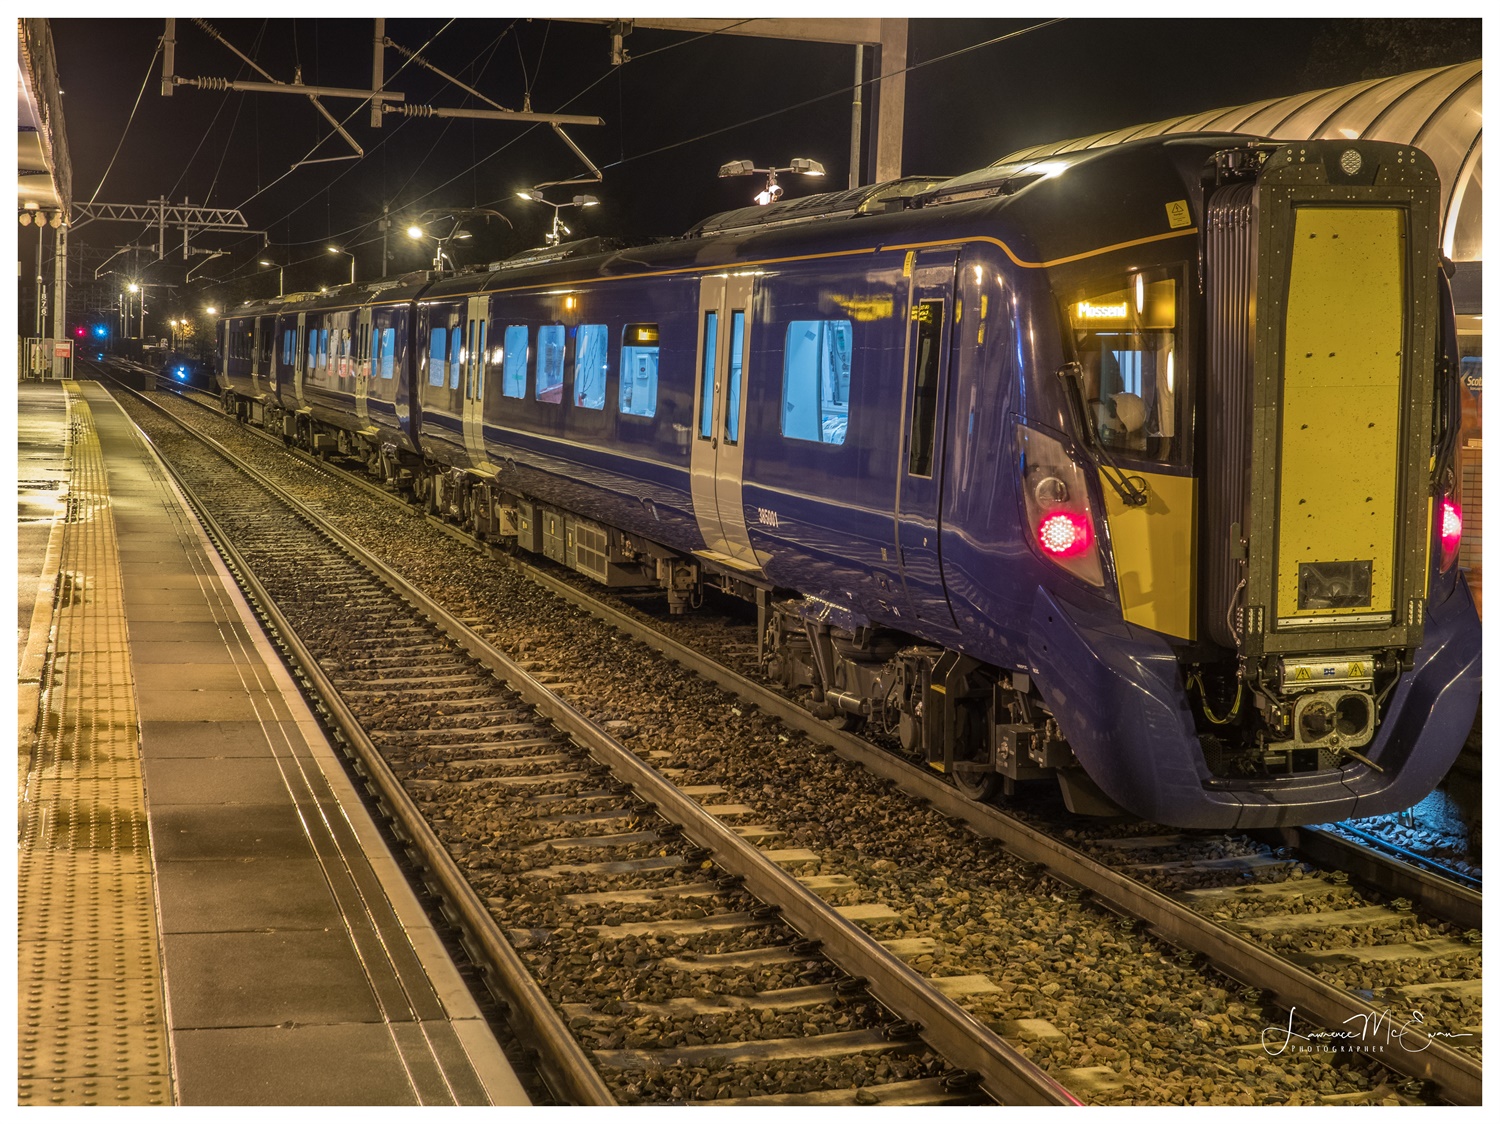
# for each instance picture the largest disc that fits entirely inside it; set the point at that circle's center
(91, 1025)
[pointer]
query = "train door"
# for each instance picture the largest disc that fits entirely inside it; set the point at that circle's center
(301, 359)
(261, 378)
(475, 344)
(919, 496)
(362, 365)
(718, 458)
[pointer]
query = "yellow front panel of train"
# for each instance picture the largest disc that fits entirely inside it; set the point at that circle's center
(1341, 415)
(1155, 552)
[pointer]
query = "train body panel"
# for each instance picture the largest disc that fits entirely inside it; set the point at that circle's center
(999, 457)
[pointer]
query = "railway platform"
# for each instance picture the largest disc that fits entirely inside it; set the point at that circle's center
(206, 913)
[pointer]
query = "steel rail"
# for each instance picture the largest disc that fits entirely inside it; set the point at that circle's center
(1004, 1073)
(1442, 894)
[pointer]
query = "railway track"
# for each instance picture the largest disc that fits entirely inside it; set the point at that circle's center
(1263, 973)
(480, 761)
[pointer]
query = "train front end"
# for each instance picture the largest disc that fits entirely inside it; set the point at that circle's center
(1297, 643)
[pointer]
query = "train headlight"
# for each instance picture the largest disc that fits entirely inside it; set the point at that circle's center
(1057, 506)
(1450, 531)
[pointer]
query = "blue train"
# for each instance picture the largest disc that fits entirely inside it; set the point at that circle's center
(1132, 468)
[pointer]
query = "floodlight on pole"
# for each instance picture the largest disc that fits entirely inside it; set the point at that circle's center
(280, 275)
(559, 228)
(800, 166)
(337, 250)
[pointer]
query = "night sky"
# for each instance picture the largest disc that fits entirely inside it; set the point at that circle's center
(683, 106)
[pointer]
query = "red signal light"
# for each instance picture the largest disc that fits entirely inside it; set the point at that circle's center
(1065, 534)
(1450, 532)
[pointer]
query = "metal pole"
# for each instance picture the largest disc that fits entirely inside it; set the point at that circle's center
(41, 229)
(859, 116)
(59, 294)
(385, 234)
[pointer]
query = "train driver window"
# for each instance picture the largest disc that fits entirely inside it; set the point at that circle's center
(639, 350)
(815, 380)
(551, 344)
(590, 365)
(517, 343)
(1125, 340)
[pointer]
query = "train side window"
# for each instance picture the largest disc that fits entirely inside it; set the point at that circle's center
(926, 349)
(639, 354)
(517, 342)
(736, 367)
(288, 346)
(551, 344)
(590, 365)
(455, 356)
(815, 380)
(323, 348)
(1125, 340)
(388, 353)
(312, 350)
(437, 357)
(706, 376)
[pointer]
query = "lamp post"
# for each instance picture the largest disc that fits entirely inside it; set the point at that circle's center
(534, 195)
(457, 233)
(280, 275)
(337, 250)
(772, 191)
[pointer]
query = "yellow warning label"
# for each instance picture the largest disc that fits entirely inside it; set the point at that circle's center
(1356, 670)
(1178, 214)
(911, 256)
(1303, 673)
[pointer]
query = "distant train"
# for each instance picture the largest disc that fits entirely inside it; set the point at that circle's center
(1132, 468)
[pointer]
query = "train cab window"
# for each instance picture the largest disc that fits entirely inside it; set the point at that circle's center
(513, 358)
(1126, 343)
(437, 357)
(388, 353)
(551, 344)
(815, 380)
(706, 378)
(639, 352)
(590, 365)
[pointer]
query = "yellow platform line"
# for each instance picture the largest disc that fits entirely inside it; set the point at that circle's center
(91, 1022)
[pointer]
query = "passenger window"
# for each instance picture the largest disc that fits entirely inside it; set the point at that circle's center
(638, 361)
(551, 343)
(706, 376)
(288, 346)
(437, 357)
(815, 380)
(590, 365)
(312, 350)
(517, 339)
(323, 348)
(455, 356)
(388, 353)
(736, 366)
(1125, 341)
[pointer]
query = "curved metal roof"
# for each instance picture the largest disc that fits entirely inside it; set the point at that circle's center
(1440, 111)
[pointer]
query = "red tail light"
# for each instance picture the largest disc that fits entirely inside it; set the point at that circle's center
(1450, 531)
(1065, 534)
(1057, 505)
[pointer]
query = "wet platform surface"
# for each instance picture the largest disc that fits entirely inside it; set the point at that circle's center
(207, 915)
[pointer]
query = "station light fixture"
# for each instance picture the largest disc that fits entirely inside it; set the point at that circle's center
(350, 256)
(800, 166)
(559, 228)
(280, 275)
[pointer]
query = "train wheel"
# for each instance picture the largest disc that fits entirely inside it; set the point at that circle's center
(977, 784)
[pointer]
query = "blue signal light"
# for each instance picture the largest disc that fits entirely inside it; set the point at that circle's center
(182, 372)
(100, 330)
